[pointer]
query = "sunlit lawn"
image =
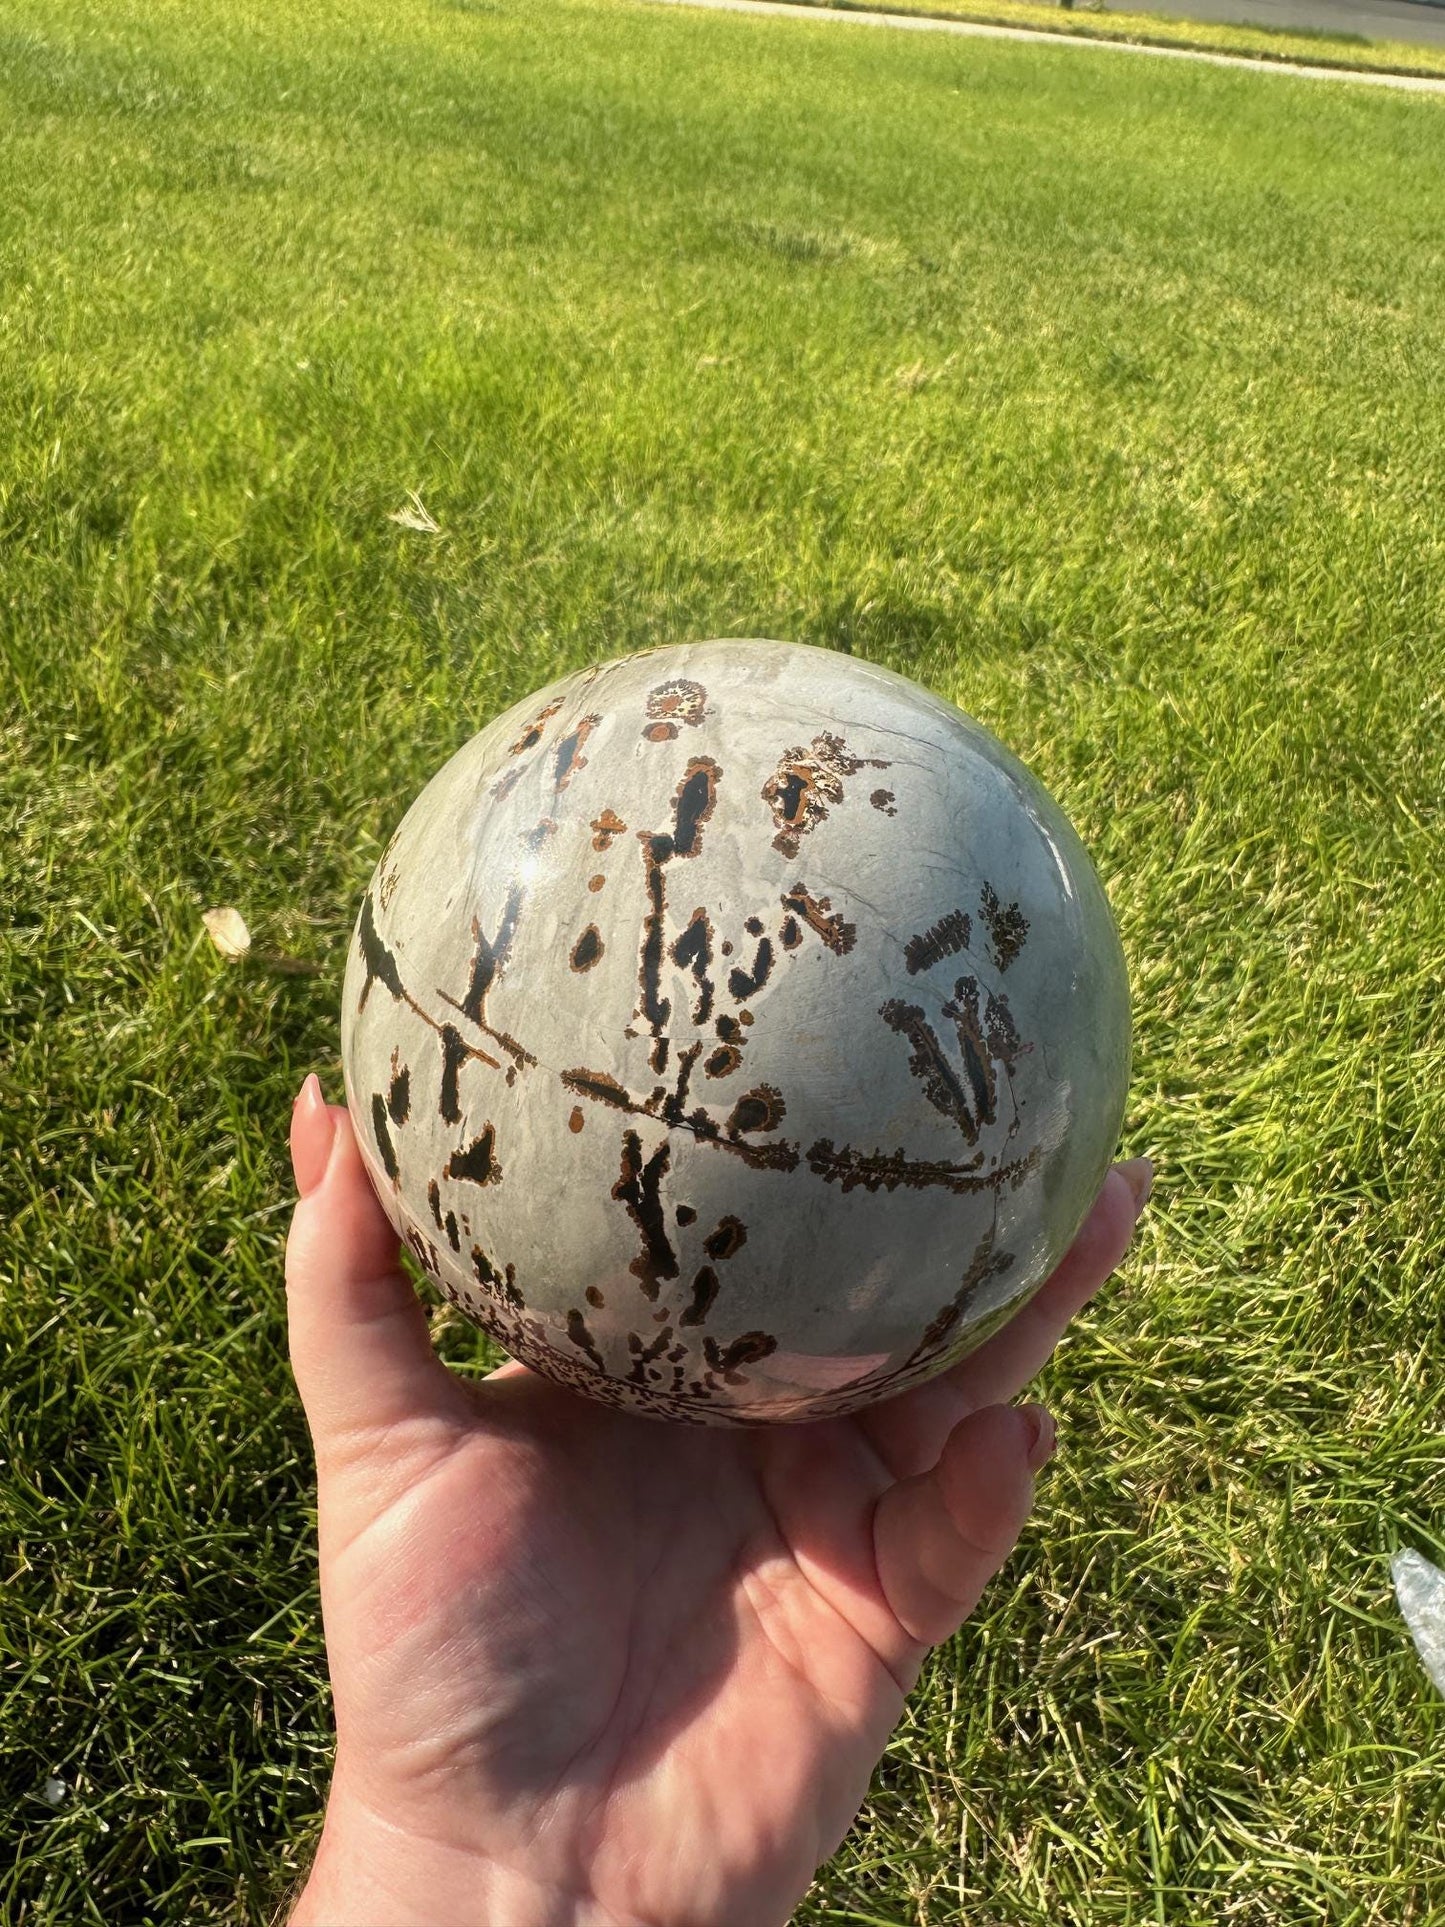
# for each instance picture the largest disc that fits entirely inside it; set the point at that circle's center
(1105, 394)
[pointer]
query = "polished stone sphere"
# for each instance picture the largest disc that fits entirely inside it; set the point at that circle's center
(736, 1031)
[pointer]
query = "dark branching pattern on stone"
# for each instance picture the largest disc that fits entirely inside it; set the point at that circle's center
(640, 1188)
(883, 800)
(762, 1109)
(726, 1239)
(1007, 926)
(807, 783)
(398, 1098)
(963, 1008)
(605, 828)
(694, 804)
(582, 1338)
(568, 758)
(425, 1253)
(693, 951)
(987, 1265)
(477, 1163)
(672, 703)
(379, 961)
(655, 1008)
(819, 915)
(728, 1360)
(454, 1055)
(495, 1283)
(943, 939)
(587, 949)
(382, 1133)
(490, 956)
(930, 1065)
(747, 983)
(704, 1294)
(886, 1170)
(603, 1088)
(532, 734)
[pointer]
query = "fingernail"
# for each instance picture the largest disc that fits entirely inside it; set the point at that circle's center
(1045, 1435)
(1138, 1174)
(312, 1133)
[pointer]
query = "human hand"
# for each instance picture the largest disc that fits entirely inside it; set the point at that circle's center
(591, 1671)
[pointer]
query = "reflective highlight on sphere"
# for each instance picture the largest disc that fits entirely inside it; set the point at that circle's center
(736, 1031)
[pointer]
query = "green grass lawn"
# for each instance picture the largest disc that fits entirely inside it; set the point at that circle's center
(1091, 20)
(1105, 395)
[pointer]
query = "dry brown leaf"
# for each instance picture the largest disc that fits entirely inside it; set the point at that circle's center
(228, 931)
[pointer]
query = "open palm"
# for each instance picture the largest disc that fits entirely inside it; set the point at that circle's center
(593, 1669)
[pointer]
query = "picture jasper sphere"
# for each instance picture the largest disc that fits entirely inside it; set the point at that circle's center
(737, 1032)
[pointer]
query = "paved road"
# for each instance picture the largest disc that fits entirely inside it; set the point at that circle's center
(1375, 19)
(918, 23)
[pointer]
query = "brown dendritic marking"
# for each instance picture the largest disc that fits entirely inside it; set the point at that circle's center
(595, 883)
(727, 1360)
(760, 1109)
(639, 1187)
(382, 1133)
(568, 757)
(587, 949)
(532, 734)
(454, 1055)
(693, 804)
(582, 1338)
(489, 958)
(398, 1097)
(1007, 926)
(942, 939)
(605, 829)
(886, 1170)
(425, 1253)
(495, 1283)
(594, 1298)
(477, 1162)
(930, 1064)
(671, 703)
(987, 1264)
(818, 913)
(602, 1087)
(883, 800)
(643, 1356)
(704, 1295)
(807, 783)
(729, 1054)
(693, 951)
(747, 983)
(726, 1239)
(576, 1121)
(987, 1036)
(507, 782)
(685, 1214)
(939, 1336)
(380, 963)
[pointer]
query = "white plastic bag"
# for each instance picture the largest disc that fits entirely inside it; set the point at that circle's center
(1420, 1589)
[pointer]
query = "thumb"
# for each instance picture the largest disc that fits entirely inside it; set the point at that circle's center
(940, 1537)
(360, 1344)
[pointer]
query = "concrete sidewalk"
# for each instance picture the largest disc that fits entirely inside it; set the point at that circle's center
(914, 23)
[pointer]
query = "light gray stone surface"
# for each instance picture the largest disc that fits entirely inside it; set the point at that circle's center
(737, 1031)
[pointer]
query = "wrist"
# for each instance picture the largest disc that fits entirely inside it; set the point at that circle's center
(368, 1873)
